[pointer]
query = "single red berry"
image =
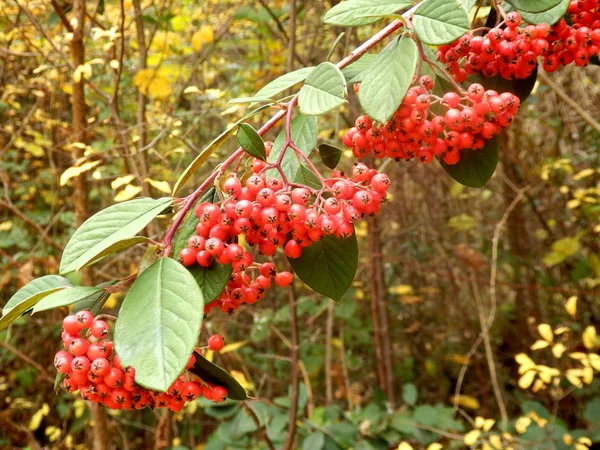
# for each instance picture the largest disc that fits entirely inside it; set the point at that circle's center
(216, 342)
(284, 279)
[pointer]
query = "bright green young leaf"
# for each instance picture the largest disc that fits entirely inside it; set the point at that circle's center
(107, 229)
(533, 6)
(550, 16)
(475, 167)
(440, 22)
(304, 135)
(24, 306)
(330, 155)
(354, 73)
(211, 280)
(282, 83)
(323, 90)
(210, 149)
(385, 83)
(67, 297)
(212, 373)
(42, 284)
(328, 266)
(251, 141)
(351, 13)
(188, 228)
(158, 323)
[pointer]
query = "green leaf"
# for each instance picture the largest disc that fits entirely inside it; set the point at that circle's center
(158, 323)
(307, 177)
(110, 230)
(314, 441)
(330, 155)
(67, 297)
(211, 280)
(151, 255)
(323, 90)
(551, 16)
(409, 394)
(304, 135)
(533, 6)
(282, 83)
(210, 149)
(188, 228)
(328, 266)
(212, 373)
(24, 306)
(385, 83)
(251, 141)
(348, 13)
(468, 4)
(42, 284)
(354, 73)
(592, 411)
(438, 22)
(475, 167)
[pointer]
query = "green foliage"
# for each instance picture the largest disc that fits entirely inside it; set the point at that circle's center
(110, 230)
(388, 78)
(35, 287)
(330, 155)
(323, 90)
(67, 297)
(533, 6)
(214, 374)
(250, 140)
(475, 167)
(304, 134)
(328, 266)
(550, 16)
(211, 280)
(284, 82)
(354, 73)
(440, 22)
(353, 13)
(163, 312)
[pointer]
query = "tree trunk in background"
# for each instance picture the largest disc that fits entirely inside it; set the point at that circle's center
(80, 185)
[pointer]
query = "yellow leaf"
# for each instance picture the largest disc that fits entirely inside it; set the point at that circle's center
(573, 203)
(495, 441)
(232, 347)
(585, 441)
(538, 345)
(526, 379)
(162, 186)
(152, 82)
(205, 35)
(588, 375)
(583, 174)
(545, 331)
(191, 90)
(558, 350)
(522, 424)
(37, 417)
(572, 376)
(75, 171)
(561, 330)
(471, 437)
(466, 401)
(209, 355)
(128, 193)
(594, 361)
(121, 181)
(479, 421)
(578, 355)
(489, 423)
(111, 302)
(435, 446)
(401, 289)
(525, 362)
(589, 337)
(241, 378)
(404, 446)
(5, 226)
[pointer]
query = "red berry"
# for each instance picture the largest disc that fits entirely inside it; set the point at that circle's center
(216, 342)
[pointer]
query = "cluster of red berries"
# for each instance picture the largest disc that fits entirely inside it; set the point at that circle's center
(90, 366)
(271, 215)
(513, 51)
(416, 131)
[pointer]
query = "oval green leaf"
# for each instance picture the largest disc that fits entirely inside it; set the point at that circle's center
(354, 73)
(283, 82)
(25, 306)
(158, 323)
(67, 297)
(438, 22)
(323, 90)
(34, 287)
(211, 280)
(533, 6)
(385, 83)
(304, 135)
(328, 266)
(330, 155)
(214, 374)
(351, 13)
(550, 16)
(251, 141)
(107, 229)
(475, 167)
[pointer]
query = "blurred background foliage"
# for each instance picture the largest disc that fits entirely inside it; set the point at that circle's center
(158, 76)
